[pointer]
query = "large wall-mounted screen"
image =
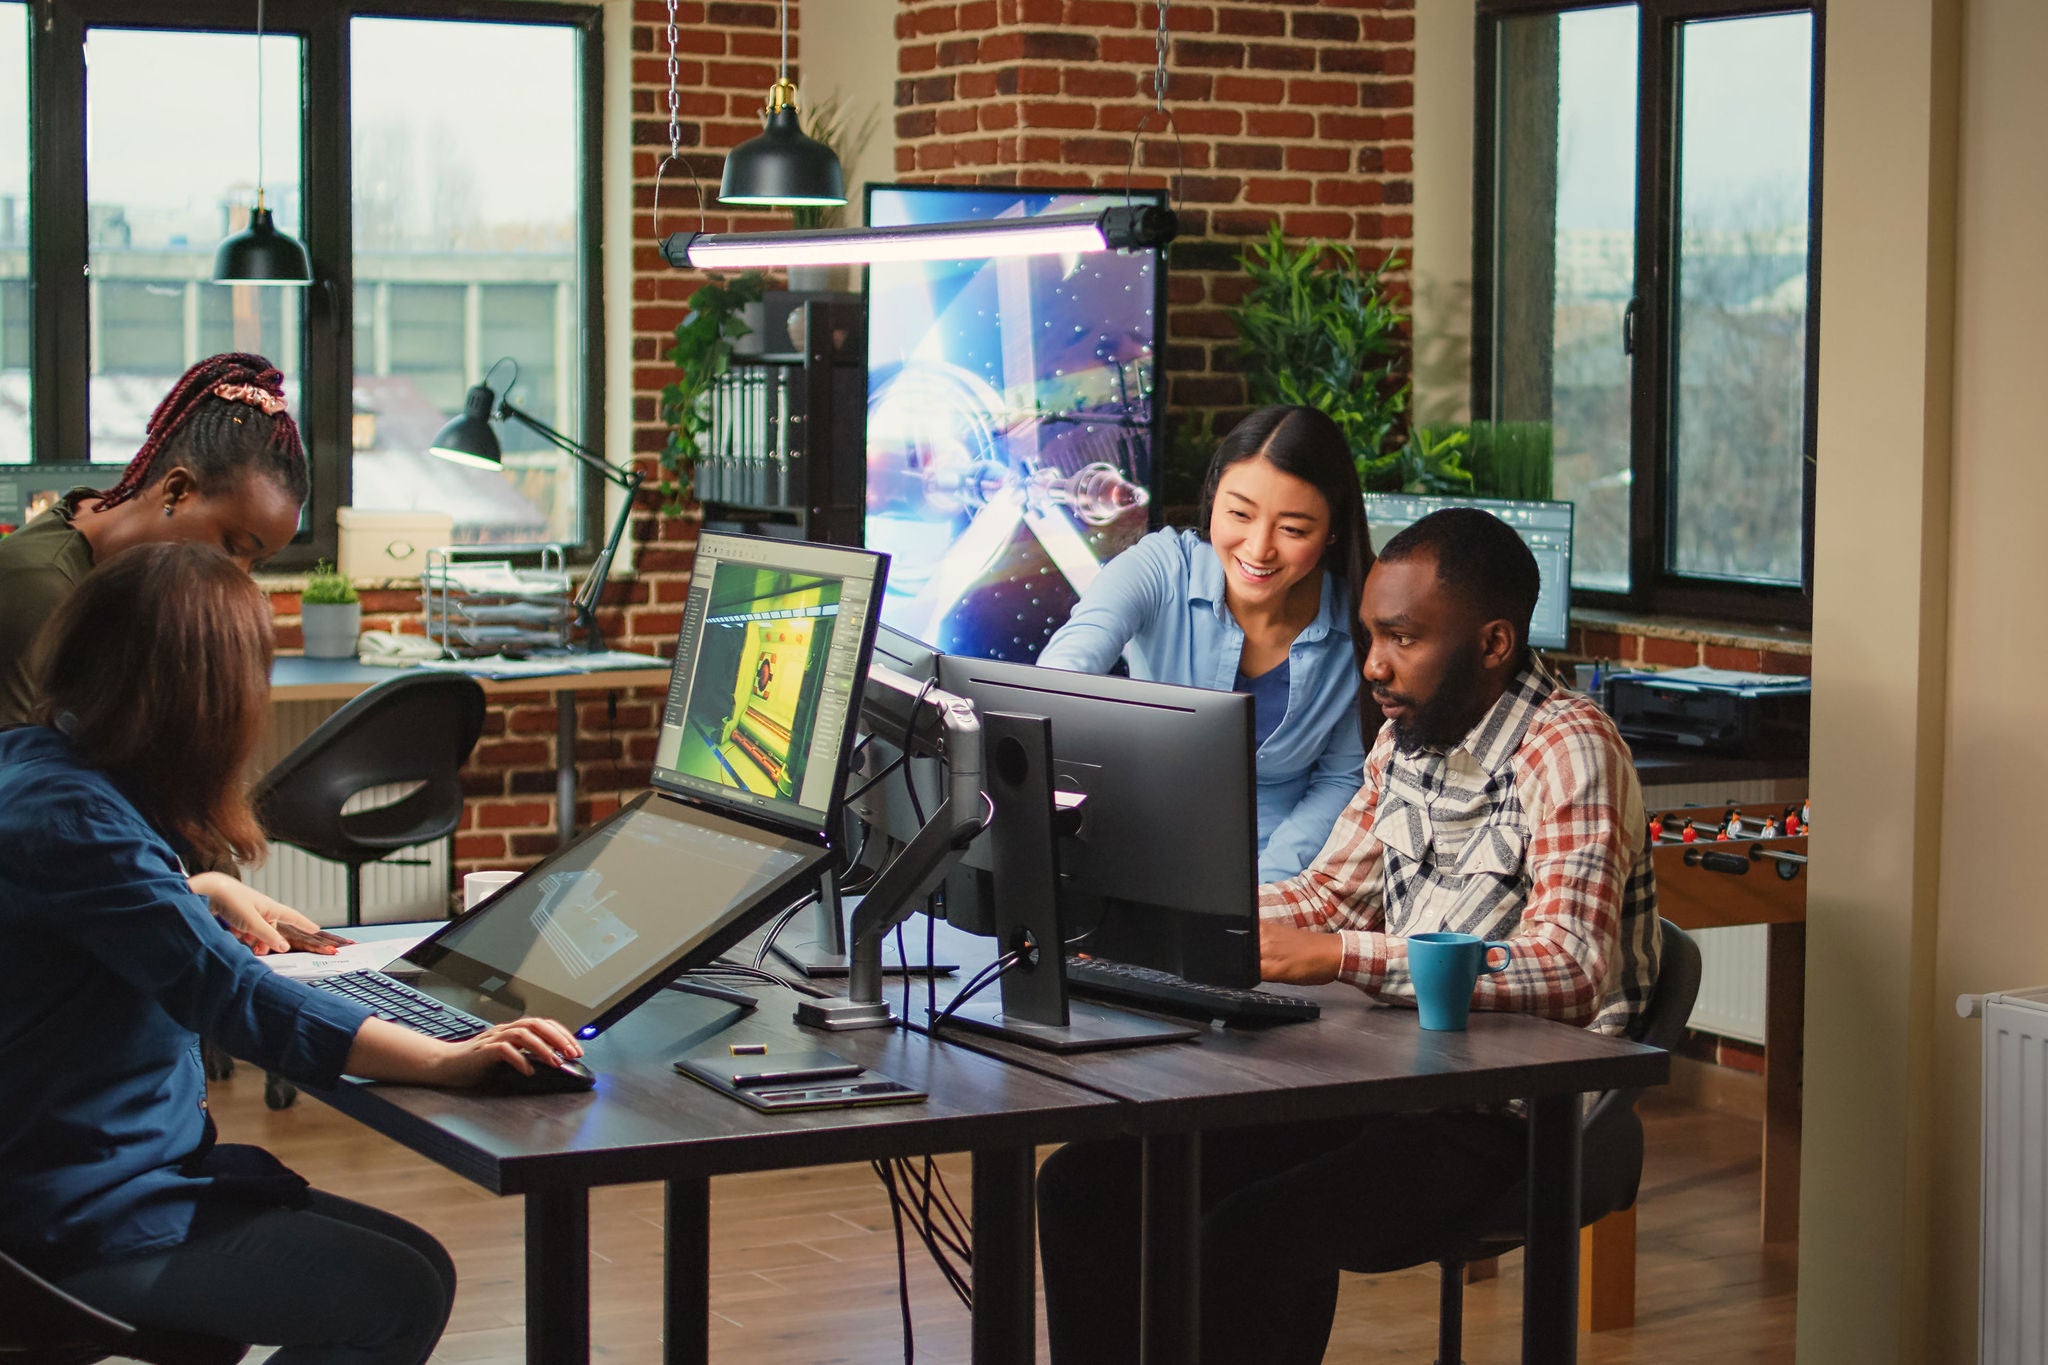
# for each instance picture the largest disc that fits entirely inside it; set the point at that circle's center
(1013, 412)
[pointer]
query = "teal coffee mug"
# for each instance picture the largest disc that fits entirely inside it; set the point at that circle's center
(1445, 967)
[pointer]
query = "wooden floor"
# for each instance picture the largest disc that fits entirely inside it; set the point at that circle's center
(805, 1261)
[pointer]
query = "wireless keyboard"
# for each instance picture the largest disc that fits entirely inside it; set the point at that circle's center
(401, 1004)
(1177, 995)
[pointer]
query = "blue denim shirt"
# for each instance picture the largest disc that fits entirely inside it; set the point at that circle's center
(1161, 604)
(110, 968)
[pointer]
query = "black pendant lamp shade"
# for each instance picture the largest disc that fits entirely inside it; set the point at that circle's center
(468, 439)
(782, 166)
(260, 254)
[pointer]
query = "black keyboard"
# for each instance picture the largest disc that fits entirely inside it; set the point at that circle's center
(401, 1004)
(1177, 995)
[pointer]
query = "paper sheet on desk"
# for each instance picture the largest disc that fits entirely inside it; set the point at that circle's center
(356, 957)
(1727, 679)
(548, 665)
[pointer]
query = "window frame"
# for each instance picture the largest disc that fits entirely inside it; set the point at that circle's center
(1654, 587)
(58, 245)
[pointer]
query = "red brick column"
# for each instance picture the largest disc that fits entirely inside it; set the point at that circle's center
(1299, 111)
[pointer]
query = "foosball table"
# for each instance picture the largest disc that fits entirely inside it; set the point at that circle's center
(1750, 871)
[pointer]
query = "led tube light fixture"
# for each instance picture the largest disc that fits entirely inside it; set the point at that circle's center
(1125, 227)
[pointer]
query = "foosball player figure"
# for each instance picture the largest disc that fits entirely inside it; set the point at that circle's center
(1688, 834)
(1791, 822)
(1656, 829)
(1770, 830)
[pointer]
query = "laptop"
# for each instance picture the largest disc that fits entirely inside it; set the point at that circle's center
(748, 784)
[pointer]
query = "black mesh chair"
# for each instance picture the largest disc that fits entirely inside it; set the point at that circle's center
(40, 1324)
(1611, 1155)
(416, 728)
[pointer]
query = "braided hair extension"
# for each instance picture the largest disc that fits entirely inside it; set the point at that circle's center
(225, 416)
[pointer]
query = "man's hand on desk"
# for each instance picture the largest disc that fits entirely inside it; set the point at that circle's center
(266, 925)
(1305, 957)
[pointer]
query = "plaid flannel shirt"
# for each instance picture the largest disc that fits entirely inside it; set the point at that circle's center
(1529, 829)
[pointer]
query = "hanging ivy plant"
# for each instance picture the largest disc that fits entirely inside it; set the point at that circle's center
(702, 353)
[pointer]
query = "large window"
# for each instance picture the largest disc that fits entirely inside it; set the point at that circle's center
(1646, 227)
(450, 214)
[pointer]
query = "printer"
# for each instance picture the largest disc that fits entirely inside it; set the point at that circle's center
(1712, 710)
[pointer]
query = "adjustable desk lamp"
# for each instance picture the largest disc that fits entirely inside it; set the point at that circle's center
(469, 440)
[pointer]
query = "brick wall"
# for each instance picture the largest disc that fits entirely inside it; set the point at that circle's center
(1300, 111)
(726, 52)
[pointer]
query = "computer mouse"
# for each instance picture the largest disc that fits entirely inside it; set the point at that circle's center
(548, 1078)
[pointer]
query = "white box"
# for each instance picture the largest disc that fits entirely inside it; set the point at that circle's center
(378, 544)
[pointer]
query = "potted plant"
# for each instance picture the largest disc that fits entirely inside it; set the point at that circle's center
(1318, 329)
(702, 353)
(330, 614)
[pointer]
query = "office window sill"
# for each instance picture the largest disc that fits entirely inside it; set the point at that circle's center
(1680, 642)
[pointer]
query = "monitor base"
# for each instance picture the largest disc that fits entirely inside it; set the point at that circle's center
(812, 960)
(837, 1014)
(1089, 1027)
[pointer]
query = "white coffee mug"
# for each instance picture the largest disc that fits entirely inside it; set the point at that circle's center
(478, 887)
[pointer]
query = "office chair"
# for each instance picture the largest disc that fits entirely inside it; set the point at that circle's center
(40, 1324)
(419, 727)
(416, 728)
(1611, 1154)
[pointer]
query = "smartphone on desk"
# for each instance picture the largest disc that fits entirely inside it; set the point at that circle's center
(813, 1079)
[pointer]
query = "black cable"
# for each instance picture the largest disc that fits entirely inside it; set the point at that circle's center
(979, 982)
(909, 733)
(931, 975)
(899, 1169)
(891, 766)
(888, 1176)
(775, 931)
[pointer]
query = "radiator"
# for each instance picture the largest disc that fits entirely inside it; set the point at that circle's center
(1732, 961)
(2012, 1285)
(391, 890)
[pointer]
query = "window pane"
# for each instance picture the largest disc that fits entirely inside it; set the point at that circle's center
(14, 328)
(163, 189)
(1564, 261)
(1739, 424)
(467, 176)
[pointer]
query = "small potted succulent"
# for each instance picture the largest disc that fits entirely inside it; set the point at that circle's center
(330, 615)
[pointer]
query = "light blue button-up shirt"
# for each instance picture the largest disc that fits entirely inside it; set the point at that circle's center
(1160, 603)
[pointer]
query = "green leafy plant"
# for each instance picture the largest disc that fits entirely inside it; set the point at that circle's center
(829, 123)
(702, 353)
(1511, 459)
(1190, 443)
(1318, 329)
(327, 586)
(1432, 460)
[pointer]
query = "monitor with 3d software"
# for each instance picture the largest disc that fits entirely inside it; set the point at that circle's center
(1545, 527)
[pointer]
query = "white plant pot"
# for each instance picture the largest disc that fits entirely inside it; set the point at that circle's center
(330, 628)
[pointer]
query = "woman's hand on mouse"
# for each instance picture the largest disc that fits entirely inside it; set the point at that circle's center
(384, 1051)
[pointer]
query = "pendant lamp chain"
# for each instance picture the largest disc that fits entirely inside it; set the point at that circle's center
(675, 131)
(259, 103)
(1159, 71)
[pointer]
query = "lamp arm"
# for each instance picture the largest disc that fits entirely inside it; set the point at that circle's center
(624, 478)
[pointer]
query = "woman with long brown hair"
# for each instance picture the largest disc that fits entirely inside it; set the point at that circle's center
(220, 464)
(153, 680)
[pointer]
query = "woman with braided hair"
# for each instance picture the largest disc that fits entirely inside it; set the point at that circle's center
(221, 464)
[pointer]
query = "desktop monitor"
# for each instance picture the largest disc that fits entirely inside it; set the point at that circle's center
(1545, 527)
(1012, 420)
(772, 651)
(1163, 871)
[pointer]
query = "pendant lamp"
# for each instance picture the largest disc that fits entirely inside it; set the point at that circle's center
(782, 166)
(259, 253)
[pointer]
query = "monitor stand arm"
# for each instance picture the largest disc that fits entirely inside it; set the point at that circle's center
(918, 869)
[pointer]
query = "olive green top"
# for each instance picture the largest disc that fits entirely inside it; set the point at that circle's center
(39, 564)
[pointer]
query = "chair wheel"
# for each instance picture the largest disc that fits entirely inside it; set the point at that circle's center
(278, 1093)
(219, 1066)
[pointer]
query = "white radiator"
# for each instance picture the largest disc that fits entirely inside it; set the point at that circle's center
(391, 890)
(2012, 1286)
(1732, 961)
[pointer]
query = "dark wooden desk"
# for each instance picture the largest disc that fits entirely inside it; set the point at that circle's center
(1356, 1059)
(644, 1122)
(295, 678)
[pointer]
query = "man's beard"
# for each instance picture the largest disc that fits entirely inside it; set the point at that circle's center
(1443, 720)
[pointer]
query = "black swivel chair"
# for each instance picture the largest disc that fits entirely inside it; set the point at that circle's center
(416, 728)
(1611, 1152)
(40, 1324)
(419, 727)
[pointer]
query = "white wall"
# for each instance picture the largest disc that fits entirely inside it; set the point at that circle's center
(848, 51)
